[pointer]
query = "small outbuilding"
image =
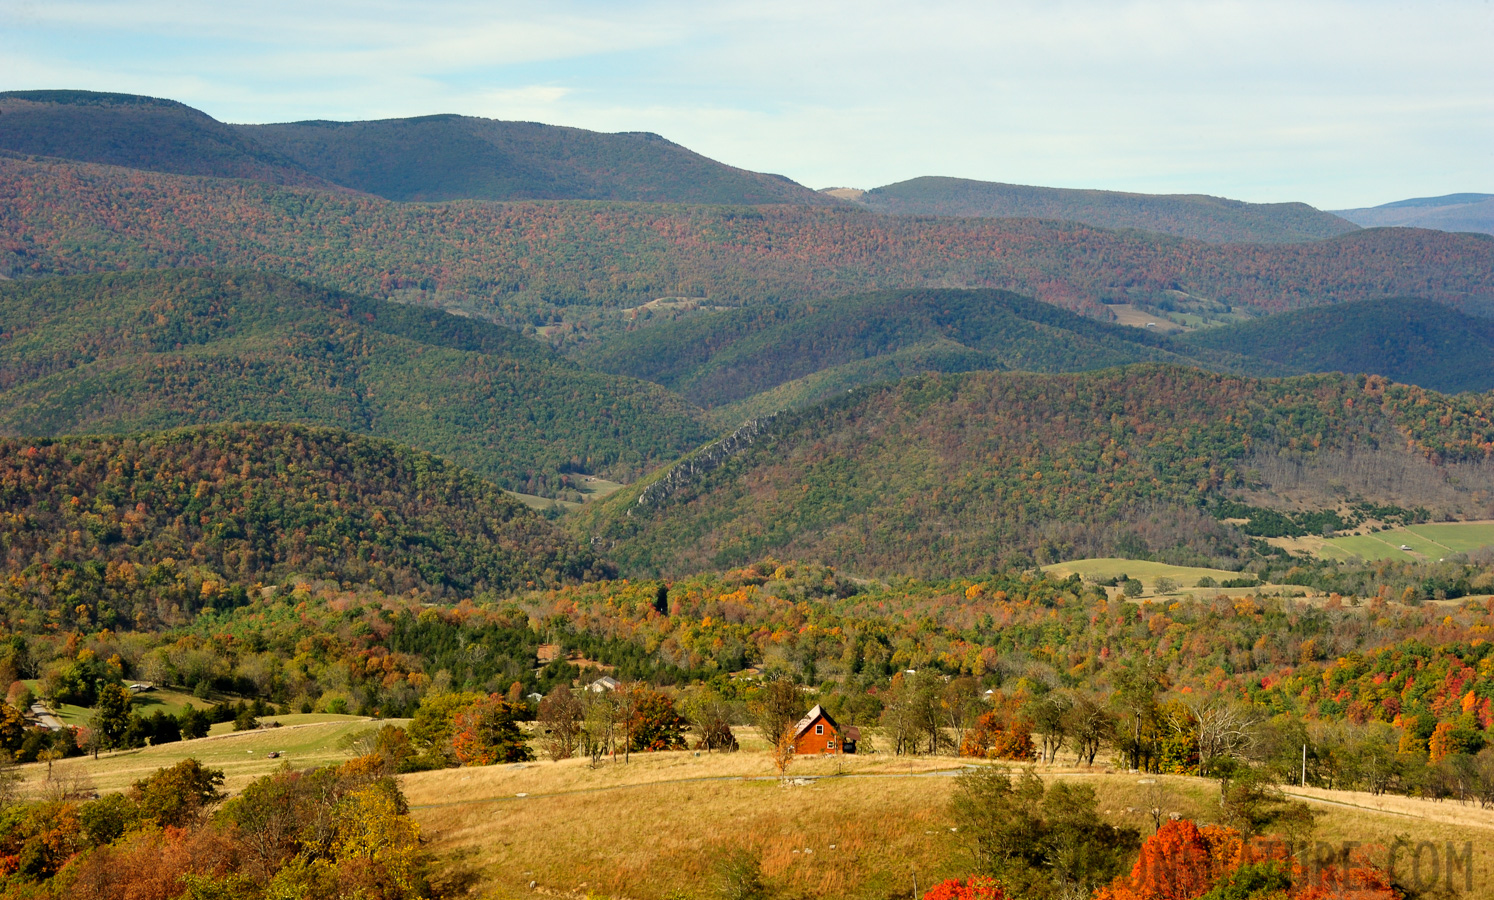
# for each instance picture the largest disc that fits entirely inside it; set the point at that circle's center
(817, 733)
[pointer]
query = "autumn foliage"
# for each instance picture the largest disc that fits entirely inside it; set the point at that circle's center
(1183, 862)
(974, 888)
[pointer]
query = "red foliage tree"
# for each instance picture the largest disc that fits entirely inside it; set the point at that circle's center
(975, 888)
(1179, 862)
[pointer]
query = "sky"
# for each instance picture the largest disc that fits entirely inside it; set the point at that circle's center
(1337, 104)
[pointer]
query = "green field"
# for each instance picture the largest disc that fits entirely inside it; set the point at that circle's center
(592, 489)
(1426, 542)
(167, 701)
(1142, 570)
(302, 742)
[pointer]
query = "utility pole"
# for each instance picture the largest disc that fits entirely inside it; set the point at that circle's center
(1304, 765)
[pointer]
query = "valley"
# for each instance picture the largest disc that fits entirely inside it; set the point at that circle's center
(441, 506)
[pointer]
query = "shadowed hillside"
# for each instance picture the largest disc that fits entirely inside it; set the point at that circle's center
(1197, 216)
(812, 349)
(1408, 340)
(462, 158)
(162, 349)
(443, 157)
(949, 474)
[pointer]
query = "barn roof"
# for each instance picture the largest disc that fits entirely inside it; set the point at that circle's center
(814, 715)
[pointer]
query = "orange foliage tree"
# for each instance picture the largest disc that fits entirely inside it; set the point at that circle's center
(976, 888)
(999, 734)
(1179, 862)
(488, 733)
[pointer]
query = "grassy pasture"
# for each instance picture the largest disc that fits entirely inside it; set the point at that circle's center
(1433, 541)
(856, 832)
(303, 741)
(592, 489)
(1142, 570)
(167, 701)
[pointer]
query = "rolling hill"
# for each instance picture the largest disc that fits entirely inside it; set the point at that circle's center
(801, 352)
(174, 517)
(1452, 212)
(1196, 216)
(452, 157)
(1408, 340)
(161, 349)
(137, 133)
(530, 263)
(948, 474)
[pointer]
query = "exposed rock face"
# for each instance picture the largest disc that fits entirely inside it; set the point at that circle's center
(709, 458)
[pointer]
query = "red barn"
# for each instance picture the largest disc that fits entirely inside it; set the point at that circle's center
(818, 733)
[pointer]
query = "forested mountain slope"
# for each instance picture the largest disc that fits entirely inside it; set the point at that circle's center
(1405, 339)
(156, 520)
(137, 133)
(726, 357)
(957, 473)
(1197, 216)
(161, 349)
(451, 157)
(521, 262)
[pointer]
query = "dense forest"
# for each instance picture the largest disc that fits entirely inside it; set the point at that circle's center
(524, 263)
(148, 530)
(1185, 215)
(827, 346)
(943, 474)
(148, 350)
(1405, 339)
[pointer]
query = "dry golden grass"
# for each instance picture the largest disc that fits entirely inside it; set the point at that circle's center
(303, 742)
(654, 827)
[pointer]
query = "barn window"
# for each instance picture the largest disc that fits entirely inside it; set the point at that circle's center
(819, 729)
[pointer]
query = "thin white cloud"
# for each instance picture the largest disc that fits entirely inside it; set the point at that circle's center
(1336, 102)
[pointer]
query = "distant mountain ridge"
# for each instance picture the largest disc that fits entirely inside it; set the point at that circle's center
(1205, 218)
(429, 158)
(1451, 212)
(138, 133)
(528, 263)
(449, 157)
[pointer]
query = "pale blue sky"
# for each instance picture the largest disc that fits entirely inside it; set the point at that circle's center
(1335, 103)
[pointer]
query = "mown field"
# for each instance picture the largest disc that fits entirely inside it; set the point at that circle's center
(1426, 542)
(302, 741)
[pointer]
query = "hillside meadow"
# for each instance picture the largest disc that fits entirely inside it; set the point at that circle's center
(858, 828)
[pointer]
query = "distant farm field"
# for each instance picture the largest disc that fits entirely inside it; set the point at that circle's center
(1144, 571)
(1424, 542)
